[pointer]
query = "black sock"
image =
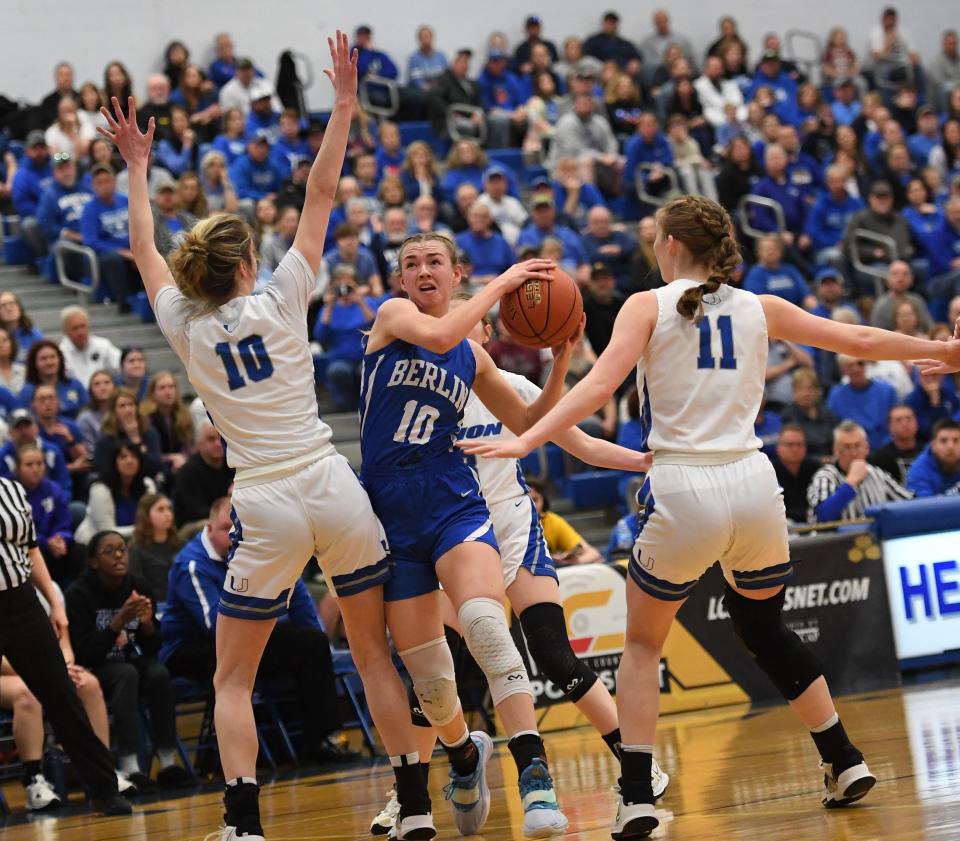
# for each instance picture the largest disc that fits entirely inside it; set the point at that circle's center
(836, 749)
(416, 711)
(463, 757)
(411, 786)
(241, 802)
(634, 779)
(612, 740)
(525, 747)
(31, 769)
(425, 770)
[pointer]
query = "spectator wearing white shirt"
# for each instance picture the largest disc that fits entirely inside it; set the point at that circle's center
(894, 51)
(236, 92)
(716, 93)
(508, 213)
(586, 135)
(72, 132)
(83, 354)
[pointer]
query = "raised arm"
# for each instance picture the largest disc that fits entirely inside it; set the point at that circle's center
(135, 146)
(325, 172)
(786, 321)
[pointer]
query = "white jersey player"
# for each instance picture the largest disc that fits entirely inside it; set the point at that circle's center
(248, 357)
(700, 347)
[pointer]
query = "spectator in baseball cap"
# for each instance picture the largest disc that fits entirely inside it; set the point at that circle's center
(521, 55)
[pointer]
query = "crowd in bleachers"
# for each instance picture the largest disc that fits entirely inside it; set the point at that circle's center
(843, 179)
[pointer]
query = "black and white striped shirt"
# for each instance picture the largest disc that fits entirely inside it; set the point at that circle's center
(18, 535)
(877, 487)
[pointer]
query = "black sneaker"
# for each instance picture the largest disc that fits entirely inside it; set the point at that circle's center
(115, 804)
(173, 776)
(143, 783)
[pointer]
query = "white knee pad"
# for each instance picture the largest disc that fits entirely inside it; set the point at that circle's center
(431, 667)
(484, 626)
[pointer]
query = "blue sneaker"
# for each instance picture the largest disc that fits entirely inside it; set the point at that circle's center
(541, 812)
(469, 795)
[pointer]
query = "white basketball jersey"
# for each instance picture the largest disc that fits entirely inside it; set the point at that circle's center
(500, 478)
(250, 363)
(701, 386)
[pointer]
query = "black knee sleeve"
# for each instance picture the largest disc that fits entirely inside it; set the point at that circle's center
(416, 712)
(549, 646)
(778, 650)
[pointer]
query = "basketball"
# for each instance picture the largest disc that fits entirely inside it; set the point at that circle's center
(542, 315)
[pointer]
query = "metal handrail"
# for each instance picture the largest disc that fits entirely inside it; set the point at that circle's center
(384, 112)
(641, 184)
(63, 246)
(792, 38)
(879, 276)
(458, 112)
(761, 201)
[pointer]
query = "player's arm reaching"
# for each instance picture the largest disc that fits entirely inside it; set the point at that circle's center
(934, 366)
(325, 172)
(631, 334)
(400, 319)
(135, 147)
(602, 453)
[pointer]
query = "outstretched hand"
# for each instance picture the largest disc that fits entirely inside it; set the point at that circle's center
(515, 448)
(125, 134)
(563, 352)
(343, 74)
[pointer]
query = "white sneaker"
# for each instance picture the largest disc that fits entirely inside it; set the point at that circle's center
(848, 787)
(541, 812)
(40, 794)
(469, 796)
(659, 780)
(634, 820)
(124, 784)
(387, 819)
(229, 833)
(414, 828)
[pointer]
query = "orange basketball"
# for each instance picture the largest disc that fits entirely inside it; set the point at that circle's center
(542, 315)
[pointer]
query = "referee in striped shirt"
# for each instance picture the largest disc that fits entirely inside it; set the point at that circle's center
(28, 639)
(845, 490)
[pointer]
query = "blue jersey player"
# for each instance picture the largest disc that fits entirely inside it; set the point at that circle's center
(418, 373)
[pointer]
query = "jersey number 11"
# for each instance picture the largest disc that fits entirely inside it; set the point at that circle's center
(727, 359)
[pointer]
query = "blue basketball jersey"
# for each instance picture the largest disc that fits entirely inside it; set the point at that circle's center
(411, 403)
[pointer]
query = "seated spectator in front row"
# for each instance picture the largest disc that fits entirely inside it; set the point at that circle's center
(105, 225)
(154, 543)
(203, 479)
(794, 469)
(936, 470)
(113, 500)
(23, 430)
(64, 557)
(346, 312)
(896, 456)
(845, 490)
(566, 545)
(116, 634)
(861, 399)
(297, 649)
(85, 354)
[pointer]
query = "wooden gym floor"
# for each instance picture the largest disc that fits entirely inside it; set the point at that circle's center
(735, 773)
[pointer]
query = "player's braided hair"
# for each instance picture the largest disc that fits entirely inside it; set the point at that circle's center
(706, 231)
(206, 262)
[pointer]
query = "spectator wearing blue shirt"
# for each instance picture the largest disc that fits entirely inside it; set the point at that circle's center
(254, 175)
(921, 214)
(61, 208)
(262, 119)
(19, 325)
(622, 538)
(503, 98)
(775, 184)
(932, 401)
(610, 247)
(390, 154)
(60, 430)
(369, 60)
(490, 254)
(846, 107)
(349, 250)
(33, 178)
(178, 152)
(771, 276)
(51, 515)
(927, 137)
(648, 147)
(829, 216)
(466, 164)
(297, 649)
(865, 401)
(289, 148)
(770, 74)
(944, 280)
(223, 67)
(426, 64)
(232, 142)
(346, 313)
(23, 430)
(936, 470)
(45, 366)
(802, 169)
(543, 224)
(575, 198)
(828, 284)
(105, 226)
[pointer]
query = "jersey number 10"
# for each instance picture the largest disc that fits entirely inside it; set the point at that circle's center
(253, 354)
(727, 359)
(416, 430)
